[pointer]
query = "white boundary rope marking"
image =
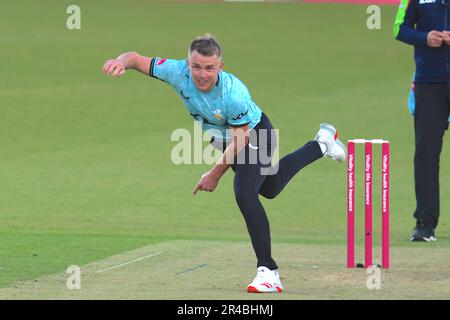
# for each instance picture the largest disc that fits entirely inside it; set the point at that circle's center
(130, 262)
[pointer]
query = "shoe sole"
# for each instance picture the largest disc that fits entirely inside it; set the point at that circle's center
(340, 144)
(423, 239)
(252, 289)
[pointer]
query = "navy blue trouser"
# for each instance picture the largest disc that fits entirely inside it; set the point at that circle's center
(250, 182)
(430, 122)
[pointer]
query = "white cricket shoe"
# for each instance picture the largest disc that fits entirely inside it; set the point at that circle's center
(266, 280)
(328, 136)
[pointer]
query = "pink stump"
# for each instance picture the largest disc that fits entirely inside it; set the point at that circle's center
(385, 206)
(368, 205)
(351, 205)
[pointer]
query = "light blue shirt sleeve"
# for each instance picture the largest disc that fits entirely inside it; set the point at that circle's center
(168, 70)
(238, 112)
(241, 109)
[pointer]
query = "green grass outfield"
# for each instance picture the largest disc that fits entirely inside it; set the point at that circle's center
(85, 172)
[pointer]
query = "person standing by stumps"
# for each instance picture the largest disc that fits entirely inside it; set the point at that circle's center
(424, 25)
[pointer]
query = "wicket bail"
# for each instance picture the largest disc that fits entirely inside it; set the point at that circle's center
(385, 154)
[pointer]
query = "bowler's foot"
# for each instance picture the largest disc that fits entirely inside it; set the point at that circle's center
(328, 136)
(266, 281)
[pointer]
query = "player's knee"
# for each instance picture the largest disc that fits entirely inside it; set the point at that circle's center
(271, 187)
(268, 194)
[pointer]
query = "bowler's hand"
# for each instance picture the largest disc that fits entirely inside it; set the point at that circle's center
(435, 38)
(114, 67)
(208, 182)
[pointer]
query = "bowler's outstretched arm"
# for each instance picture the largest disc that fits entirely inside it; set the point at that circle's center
(129, 60)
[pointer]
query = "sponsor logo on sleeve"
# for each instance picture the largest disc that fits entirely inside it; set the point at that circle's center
(160, 61)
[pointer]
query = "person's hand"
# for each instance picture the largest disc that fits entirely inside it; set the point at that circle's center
(447, 37)
(435, 38)
(114, 67)
(208, 182)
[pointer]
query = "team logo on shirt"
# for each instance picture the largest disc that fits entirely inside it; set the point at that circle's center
(161, 61)
(217, 114)
(427, 1)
